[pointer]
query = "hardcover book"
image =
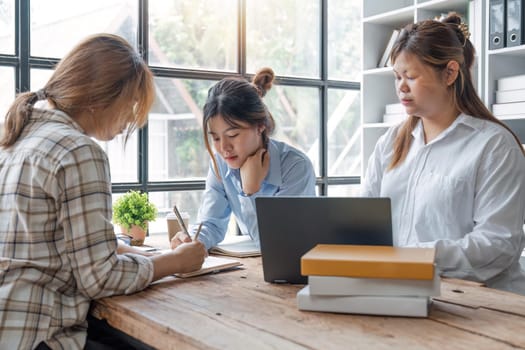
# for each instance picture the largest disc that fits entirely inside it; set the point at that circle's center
(384, 61)
(508, 108)
(369, 305)
(335, 285)
(369, 261)
(507, 96)
(513, 82)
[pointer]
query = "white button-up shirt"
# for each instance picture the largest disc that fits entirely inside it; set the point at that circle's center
(463, 193)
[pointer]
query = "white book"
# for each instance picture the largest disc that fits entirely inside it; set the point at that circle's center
(212, 264)
(384, 61)
(510, 116)
(335, 285)
(507, 96)
(508, 108)
(369, 305)
(395, 108)
(394, 117)
(514, 82)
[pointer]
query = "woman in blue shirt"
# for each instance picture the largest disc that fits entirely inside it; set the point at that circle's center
(246, 162)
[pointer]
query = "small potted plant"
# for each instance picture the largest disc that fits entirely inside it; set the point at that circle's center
(132, 212)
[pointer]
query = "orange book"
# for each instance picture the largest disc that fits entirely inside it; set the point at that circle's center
(369, 261)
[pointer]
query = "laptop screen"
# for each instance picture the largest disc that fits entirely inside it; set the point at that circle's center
(291, 226)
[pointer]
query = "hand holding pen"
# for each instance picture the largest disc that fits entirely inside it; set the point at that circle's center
(183, 236)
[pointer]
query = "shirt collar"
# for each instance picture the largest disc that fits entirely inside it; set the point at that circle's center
(55, 115)
(462, 119)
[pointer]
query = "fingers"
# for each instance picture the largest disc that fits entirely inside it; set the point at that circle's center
(179, 238)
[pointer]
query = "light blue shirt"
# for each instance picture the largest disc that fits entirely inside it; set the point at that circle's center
(291, 173)
(463, 193)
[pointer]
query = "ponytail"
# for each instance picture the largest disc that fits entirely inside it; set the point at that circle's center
(17, 117)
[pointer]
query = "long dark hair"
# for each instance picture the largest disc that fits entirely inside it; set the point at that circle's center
(436, 43)
(101, 71)
(236, 100)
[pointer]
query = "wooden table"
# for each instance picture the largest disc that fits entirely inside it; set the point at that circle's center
(238, 310)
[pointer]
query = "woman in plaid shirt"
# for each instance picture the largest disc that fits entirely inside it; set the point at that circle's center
(58, 250)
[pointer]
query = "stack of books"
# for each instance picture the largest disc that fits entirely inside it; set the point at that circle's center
(374, 280)
(394, 113)
(510, 98)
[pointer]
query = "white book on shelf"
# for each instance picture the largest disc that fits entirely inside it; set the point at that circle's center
(508, 108)
(513, 82)
(368, 305)
(507, 96)
(394, 108)
(520, 116)
(336, 285)
(384, 61)
(394, 117)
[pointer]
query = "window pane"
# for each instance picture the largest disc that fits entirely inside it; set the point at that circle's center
(198, 34)
(176, 145)
(39, 78)
(284, 35)
(344, 40)
(344, 133)
(344, 191)
(297, 118)
(55, 32)
(7, 27)
(7, 91)
(123, 160)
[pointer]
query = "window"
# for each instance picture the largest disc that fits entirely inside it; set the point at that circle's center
(314, 47)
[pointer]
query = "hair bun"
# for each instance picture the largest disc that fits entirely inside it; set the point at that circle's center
(263, 80)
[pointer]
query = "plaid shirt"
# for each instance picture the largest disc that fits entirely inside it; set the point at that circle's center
(57, 244)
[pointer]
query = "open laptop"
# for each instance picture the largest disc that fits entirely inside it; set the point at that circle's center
(291, 226)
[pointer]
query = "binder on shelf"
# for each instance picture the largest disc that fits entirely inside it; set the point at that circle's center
(515, 26)
(384, 62)
(369, 261)
(497, 19)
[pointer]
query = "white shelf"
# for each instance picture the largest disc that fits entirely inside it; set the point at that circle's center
(378, 125)
(396, 17)
(377, 90)
(380, 18)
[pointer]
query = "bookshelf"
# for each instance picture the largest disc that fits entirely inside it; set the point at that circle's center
(502, 63)
(380, 18)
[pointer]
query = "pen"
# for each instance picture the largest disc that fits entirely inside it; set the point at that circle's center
(198, 232)
(181, 222)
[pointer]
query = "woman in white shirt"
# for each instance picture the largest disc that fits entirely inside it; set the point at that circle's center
(455, 174)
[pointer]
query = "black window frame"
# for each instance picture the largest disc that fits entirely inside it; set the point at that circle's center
(22, 62)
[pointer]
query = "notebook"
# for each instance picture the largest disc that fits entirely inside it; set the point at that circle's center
(291, 226)
(241, 246)
(212, 264)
